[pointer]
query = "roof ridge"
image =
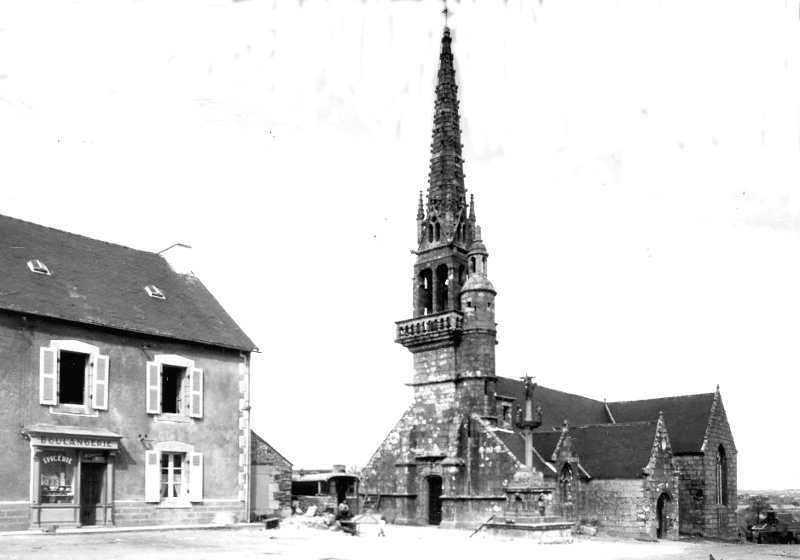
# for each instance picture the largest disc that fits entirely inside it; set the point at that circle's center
(616, 425)
(94, 239)
(540, 386)
(662, 398)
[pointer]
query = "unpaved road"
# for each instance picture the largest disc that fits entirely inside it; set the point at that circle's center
(415, 543)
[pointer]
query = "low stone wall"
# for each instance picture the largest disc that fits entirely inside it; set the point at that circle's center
(544, 533)
(468, 512)
(136, 514)
(15, 516)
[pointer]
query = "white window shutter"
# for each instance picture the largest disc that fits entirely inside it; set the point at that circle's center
(152, 476)
(196, 393)
(100, 389)
(153, 388)
(48, 376)
(196, 477)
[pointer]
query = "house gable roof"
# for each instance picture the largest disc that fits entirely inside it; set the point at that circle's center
(686, 417)
(260, 451)
(102, 284)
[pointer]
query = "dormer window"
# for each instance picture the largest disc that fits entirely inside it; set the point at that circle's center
(38, 267)
(154, 292)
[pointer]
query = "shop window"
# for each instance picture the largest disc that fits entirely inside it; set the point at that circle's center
(57, 476)
(173, 474)
(174, 387)
(73, 377)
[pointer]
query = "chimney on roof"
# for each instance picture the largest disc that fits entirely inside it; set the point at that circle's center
(178, 257)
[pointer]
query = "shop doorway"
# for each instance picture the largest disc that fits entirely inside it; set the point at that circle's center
(434, 500)
(92, 475)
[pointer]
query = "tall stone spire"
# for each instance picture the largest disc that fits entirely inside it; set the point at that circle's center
(446, 220)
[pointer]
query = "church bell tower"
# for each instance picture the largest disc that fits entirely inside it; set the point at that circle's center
(452, 334)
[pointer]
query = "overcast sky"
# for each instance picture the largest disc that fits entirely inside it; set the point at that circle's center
(635, 166)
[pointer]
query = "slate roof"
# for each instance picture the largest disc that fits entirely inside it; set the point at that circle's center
(614, 450)
(102, 284)
(686, 417)
(605, 451)
(557, 406)
(260, 450)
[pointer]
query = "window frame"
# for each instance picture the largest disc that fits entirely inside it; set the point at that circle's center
(95, 384)
(191, 388)
(192, 467)
(721, 475)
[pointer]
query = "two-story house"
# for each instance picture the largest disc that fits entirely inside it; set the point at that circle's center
(125, 387)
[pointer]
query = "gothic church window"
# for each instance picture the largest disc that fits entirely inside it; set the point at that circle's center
(721, 476)
(565, 481)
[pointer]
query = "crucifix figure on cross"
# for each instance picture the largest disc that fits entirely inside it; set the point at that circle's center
(528, 381)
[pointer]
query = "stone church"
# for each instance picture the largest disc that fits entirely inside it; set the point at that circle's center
(473, 445)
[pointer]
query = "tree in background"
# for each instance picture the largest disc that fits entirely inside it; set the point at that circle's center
(756, 505)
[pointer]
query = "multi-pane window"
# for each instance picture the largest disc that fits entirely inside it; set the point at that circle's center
(172, 475)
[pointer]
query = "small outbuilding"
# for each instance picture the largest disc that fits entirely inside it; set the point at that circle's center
(270, 481)
(325, 489)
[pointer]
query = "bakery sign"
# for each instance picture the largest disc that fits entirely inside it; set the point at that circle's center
(74, 441)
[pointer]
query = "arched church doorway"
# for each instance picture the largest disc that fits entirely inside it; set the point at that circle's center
(661, 513)
(434, 500)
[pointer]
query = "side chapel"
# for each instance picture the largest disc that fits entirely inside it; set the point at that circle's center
(473, 444)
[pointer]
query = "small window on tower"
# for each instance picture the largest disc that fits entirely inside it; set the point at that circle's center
(506, 414)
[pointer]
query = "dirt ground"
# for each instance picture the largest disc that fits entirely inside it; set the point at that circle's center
(300, 542)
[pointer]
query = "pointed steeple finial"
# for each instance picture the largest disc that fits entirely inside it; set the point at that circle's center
(446, 13)
(420, 210)
(446, 192)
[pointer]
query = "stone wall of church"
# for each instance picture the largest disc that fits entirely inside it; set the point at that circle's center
(692, 487)
(703, 511)
(626, 507)
(434, 365)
